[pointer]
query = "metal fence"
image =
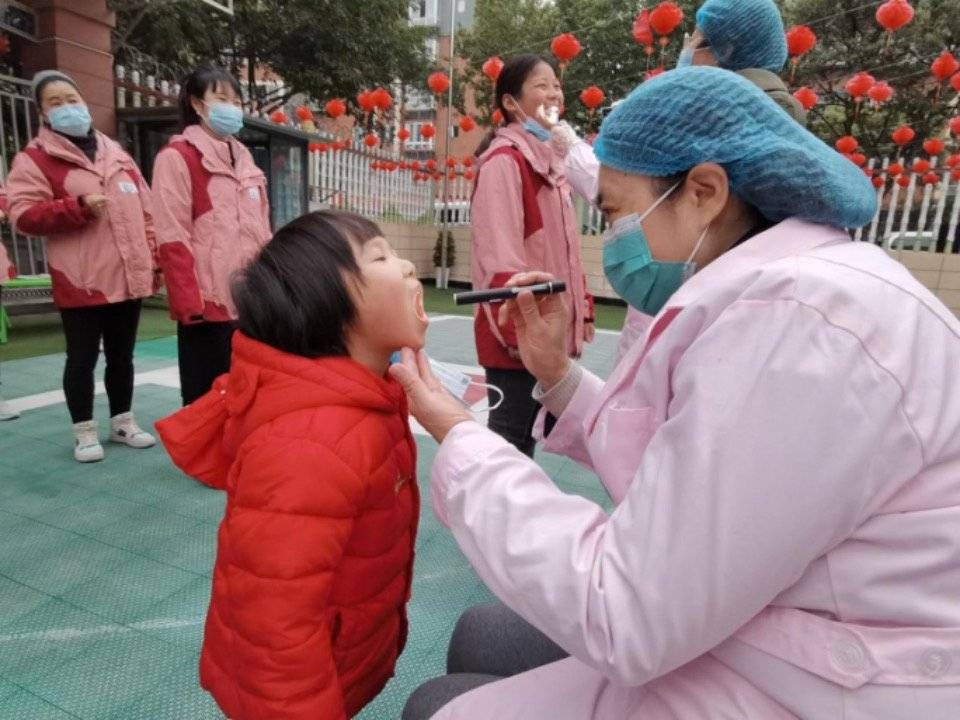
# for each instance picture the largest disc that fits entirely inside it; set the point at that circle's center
(17, 123)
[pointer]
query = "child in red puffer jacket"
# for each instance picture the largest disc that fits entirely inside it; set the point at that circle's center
(310, 438)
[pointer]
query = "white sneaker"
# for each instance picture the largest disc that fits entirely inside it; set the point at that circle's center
(124, 429)
(7, 412)
(87, 447)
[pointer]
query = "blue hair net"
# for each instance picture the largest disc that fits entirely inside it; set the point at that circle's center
(744, 33)
(693, 115)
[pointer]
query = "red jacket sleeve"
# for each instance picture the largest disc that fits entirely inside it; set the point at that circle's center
(291, 517)
(33, 209)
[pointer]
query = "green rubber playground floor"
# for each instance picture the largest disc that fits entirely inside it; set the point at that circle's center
(105, 568)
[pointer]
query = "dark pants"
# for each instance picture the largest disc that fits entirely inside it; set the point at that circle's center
(203, 351)
(116, 324)
(490, 643)
(513, 420)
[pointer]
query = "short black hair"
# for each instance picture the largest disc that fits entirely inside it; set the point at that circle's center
(195, 86)
(293, 296)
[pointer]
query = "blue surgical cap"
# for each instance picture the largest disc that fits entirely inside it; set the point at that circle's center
(744, 33)
(700, 114)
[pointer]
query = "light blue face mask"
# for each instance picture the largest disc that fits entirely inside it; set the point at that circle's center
(686, 58)
(224, 118)
(644, 282)
(72, 120)
(536, 129)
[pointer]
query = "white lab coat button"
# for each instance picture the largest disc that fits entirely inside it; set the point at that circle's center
(849, 657)
(935, 663)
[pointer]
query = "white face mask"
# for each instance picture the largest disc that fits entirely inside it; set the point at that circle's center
(456, 382)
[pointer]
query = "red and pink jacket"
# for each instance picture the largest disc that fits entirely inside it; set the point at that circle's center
(213, 216)
(7, 270)
(522, 218)
(92, 260)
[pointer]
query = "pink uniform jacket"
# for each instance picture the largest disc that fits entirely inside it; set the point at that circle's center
(518, 226)
(213, 216)
(92, 260)
(783, 449)
(7, 270)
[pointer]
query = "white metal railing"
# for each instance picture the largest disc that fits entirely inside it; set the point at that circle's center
(17, 126)
(919, 216)
(345, 179)
(142, 88)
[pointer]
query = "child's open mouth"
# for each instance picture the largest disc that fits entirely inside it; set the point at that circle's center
(418, 307)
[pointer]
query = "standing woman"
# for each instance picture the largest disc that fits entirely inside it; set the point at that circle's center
(213, 217)
(522, 218)
(82, 191)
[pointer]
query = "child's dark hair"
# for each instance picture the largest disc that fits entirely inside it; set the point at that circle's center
(510, 82)
(294, 296)
(195, 86)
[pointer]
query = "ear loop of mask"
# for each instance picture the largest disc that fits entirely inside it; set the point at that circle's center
(489, 408)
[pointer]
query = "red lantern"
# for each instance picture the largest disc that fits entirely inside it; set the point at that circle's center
(438, 83)
(497, 117)
(467, 161)
(953, 161)
(933, 146)
(314, 147)
(427, 131)
(403, 135)
(650, 74)
(322, 148)
(903, 135)
(894, 14)
(468, 175)
(366, 102)
(894, 169)
(431, 165)
(371, 140)
(279, 117)
(335, 108)
(382, 100)
(592, 97)
(878, 182)
(4, 44)
(800, 41)
(846, 144)
(304, 114)
(931, 178)
(944, 66)
(921, 166)
(415, 165)
(492, 68)
(642, 33)
(903, 181)
(954, 125)
(451, 163)
(806, 97)
(565, 47)
(956, 175)
(859, 159)
(467, 124)
(665, 18)
(859, 85)
(437, 176)
(880, 93)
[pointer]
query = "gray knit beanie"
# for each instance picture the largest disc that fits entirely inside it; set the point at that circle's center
(45, 77)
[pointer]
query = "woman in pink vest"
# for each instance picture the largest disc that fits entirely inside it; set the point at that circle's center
(7, 270)
(213, 216)
(522, 218)
(81, 190)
